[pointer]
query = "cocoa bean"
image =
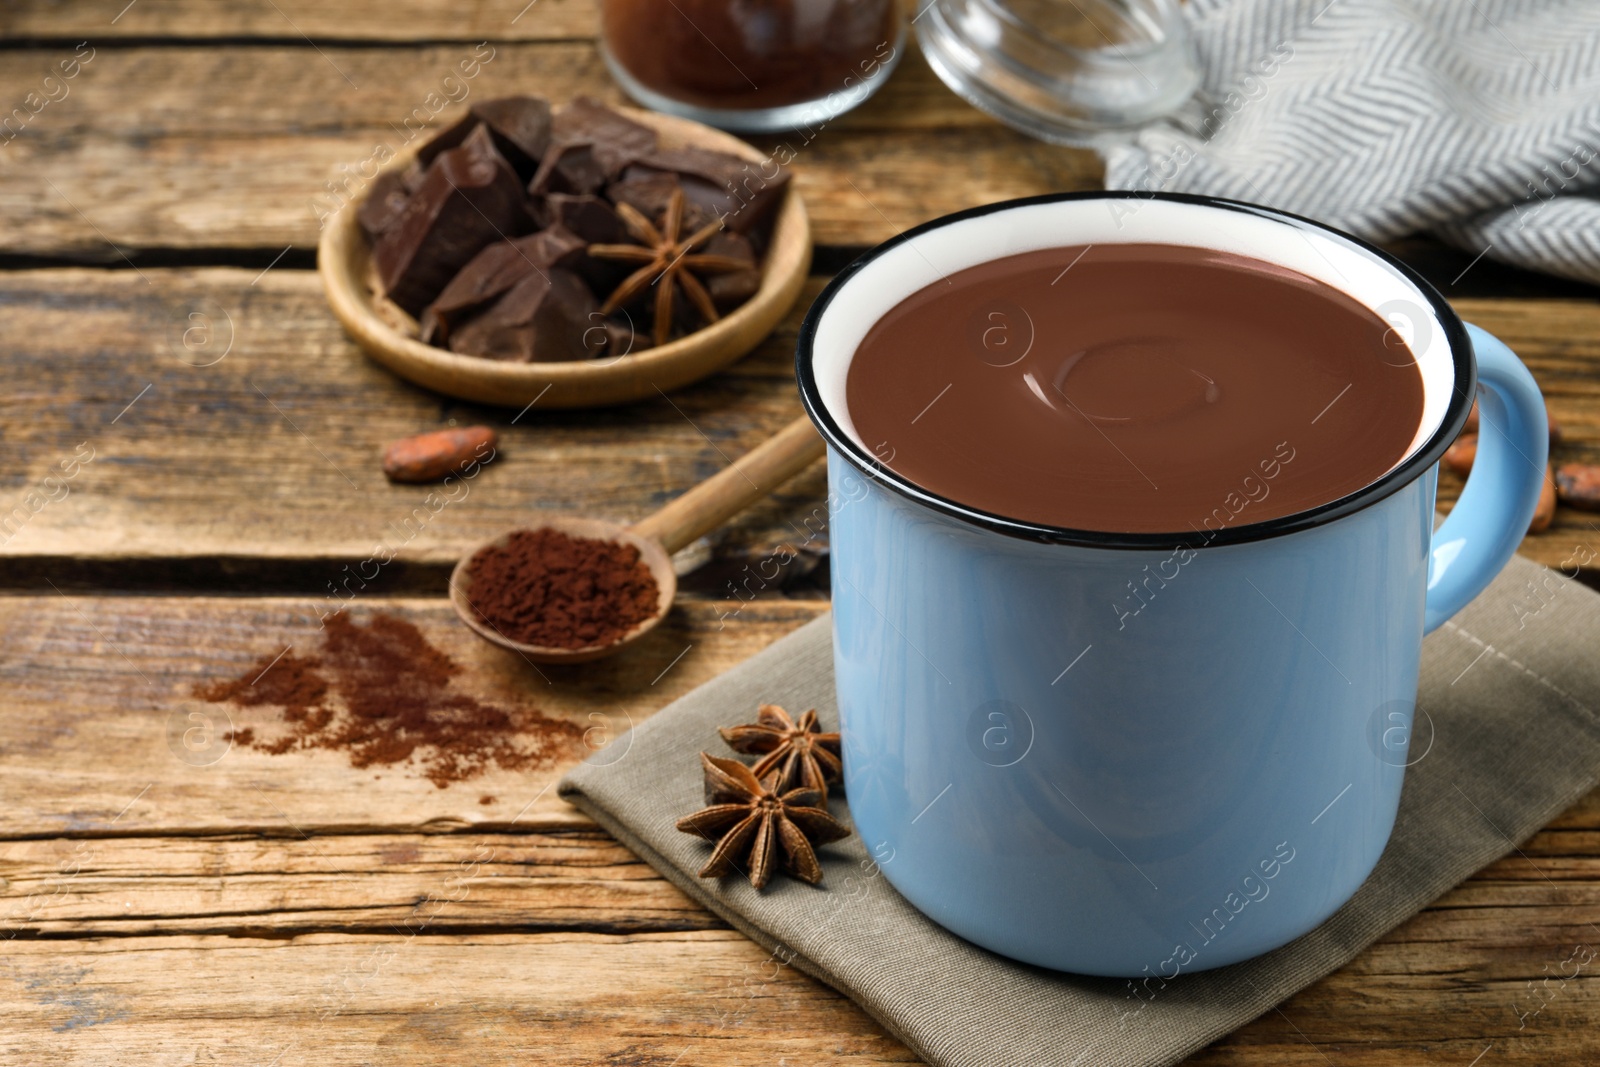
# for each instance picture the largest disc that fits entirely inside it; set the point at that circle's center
(1578, 485)
(1459, 456)
(430, 457)
(1545, 512)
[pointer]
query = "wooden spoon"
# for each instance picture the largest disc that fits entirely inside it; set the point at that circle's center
(695, 513)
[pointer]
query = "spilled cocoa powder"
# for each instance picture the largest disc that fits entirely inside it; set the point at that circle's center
(548, 588)
(382, 694)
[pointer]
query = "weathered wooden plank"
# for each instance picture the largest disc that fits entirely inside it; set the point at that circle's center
(350, 883)
(98, 692)
(228, 149)
(402, 21)
(710, 997)
(704, 997)
(271, 453)
(573, 879)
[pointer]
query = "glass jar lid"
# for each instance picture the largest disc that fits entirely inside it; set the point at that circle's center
(1078, 72)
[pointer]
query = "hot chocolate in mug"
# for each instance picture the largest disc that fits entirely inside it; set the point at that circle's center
(1152, 786)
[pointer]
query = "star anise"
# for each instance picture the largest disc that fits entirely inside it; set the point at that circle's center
(804, 757)
(669, 263)
(757, 821)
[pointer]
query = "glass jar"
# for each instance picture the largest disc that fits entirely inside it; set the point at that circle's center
(751, 66)
(1079, 72)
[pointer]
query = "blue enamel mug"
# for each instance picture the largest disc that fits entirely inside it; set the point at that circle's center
(1145, 755)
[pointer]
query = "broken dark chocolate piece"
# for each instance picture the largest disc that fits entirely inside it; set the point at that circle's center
(595, 221)
(554, 246)
(490, 273)
(733, 245)
(495, 270)
(732, 288)
(590, 217)
(450, 137)
(616, 140)
(548, 317)
(622, 339)
(520, 126)
(649, 191)
(568, 168)
(590, 144)
(385, 203)
(521, 129)
(469, 198)
(558, 246)
(734, 189)
(413, 175)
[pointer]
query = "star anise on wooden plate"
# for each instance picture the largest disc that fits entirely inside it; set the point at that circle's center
(670, 263)
(757, 823)
(804, 757)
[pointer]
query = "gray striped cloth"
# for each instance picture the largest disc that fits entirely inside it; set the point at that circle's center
(1475, 120)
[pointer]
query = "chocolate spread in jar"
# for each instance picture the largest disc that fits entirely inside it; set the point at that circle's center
(750, 54)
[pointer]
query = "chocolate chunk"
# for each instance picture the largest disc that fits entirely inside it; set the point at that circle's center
(469, 198)
(491, 272)
(568, 168)
(733, 245)
(413, 175)
(521, 129)
(557, 246)
(732, 188)
(592, 221)
(617, 141)
(494, 271)
(539, 211)
(590, 217)
(553, 246)
(729, 289)
(686, 318)
(549, 317)
(384, 204)
(622, 339)
(519, 125)
(647, 191)
(450, 137)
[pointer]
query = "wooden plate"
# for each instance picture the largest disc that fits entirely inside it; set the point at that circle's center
(389, 335)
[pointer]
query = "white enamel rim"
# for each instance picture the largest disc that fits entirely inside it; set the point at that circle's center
(880, 279)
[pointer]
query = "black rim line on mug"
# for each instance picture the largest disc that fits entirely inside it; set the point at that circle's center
(1455, 416)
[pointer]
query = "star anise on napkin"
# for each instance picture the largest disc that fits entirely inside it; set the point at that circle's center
(757, 822)
(669, 262)
(804, 757)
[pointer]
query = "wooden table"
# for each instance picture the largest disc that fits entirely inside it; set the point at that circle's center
(286, 910)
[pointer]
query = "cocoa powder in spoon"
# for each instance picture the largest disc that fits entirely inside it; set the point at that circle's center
(548, 588)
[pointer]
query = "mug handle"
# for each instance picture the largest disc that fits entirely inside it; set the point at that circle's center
(1491, 517)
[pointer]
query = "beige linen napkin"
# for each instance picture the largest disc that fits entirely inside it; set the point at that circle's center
(1509, 686)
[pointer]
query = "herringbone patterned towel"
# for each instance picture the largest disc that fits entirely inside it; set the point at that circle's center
(1476, 120)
